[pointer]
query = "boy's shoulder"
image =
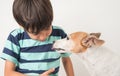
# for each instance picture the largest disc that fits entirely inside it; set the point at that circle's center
(57, 27)
(17, 31)
(58, 31)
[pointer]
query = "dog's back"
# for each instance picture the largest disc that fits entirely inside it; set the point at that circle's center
(101, 62)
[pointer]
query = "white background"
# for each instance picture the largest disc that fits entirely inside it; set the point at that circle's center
(73, 15)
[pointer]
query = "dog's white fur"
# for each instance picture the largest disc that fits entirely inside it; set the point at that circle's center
(100, 61)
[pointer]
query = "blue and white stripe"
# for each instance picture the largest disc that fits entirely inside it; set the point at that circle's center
(33, 57)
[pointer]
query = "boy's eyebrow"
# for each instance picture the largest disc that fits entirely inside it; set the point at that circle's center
(34, 33)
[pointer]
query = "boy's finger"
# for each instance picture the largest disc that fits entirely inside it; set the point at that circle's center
(50, 71)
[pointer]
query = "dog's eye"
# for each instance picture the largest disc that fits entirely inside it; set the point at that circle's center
(68, 38)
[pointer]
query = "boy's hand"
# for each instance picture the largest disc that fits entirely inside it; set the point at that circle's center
(47, 73)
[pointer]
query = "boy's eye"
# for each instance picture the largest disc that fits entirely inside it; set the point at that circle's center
(68, 38)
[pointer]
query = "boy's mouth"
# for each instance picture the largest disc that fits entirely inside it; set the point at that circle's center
(59, 49)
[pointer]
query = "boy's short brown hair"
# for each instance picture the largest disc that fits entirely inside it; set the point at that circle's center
(33, 15)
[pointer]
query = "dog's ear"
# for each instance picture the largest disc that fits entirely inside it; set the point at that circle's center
(98, 42)
(96, 34)
(92, 40)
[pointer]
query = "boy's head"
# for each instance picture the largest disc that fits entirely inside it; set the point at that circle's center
(33, 15)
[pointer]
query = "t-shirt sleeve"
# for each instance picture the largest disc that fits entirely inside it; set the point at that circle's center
(64, 35)
(11, 49)
(65, 54)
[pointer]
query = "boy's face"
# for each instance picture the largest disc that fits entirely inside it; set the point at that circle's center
(42, 36)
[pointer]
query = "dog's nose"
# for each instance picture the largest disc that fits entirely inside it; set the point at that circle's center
(53, 41)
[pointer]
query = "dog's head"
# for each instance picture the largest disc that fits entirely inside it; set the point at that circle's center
(78, 42)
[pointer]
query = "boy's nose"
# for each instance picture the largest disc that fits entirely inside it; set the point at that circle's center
(42, 38)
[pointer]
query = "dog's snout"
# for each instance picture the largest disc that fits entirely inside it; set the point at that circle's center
(53, 41)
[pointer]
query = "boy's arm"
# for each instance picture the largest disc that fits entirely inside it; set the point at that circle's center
(10, 69)
(68, 66)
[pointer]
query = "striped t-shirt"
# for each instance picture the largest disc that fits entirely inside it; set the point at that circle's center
(33, 57)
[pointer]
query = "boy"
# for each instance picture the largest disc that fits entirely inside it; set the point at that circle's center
(28, 50)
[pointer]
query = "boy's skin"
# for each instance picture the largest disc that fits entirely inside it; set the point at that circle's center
(35, 17)
(10, 67)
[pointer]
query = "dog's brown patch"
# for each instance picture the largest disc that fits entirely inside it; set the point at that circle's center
(84, 40)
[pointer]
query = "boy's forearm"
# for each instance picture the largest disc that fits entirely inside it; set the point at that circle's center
(14, 73)
(10, 69)
(68, 67)
(69, 70)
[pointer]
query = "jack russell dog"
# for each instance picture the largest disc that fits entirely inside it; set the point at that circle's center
(99, 60)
